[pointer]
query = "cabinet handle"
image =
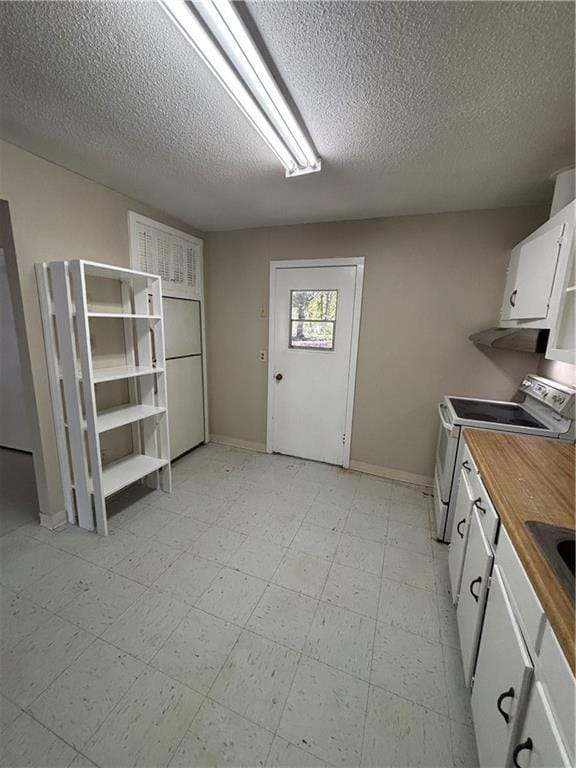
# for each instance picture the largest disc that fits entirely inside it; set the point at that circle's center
(476, 581)
(467, 466)
(478, 506)
(458, 527)
(509, 694)
(513, 298)
(520, 748)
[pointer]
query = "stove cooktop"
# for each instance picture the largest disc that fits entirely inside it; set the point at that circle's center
(497, 413)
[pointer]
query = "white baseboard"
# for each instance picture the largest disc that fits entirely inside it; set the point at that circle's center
(56, 520)
(392, 474)
(234, 442)
(358, 466)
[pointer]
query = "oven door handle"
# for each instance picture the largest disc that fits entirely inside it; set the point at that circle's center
(442, 407)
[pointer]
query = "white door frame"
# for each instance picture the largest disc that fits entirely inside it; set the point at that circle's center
(354, 261)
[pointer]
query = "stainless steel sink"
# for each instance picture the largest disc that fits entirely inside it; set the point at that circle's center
(557, 545)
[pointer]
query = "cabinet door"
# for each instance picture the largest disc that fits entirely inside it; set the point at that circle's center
(185, 404)
(473, 591)
(562, 342)
(539, 744)
(181, 327)
(531, 277)
(502, 676)
(459, 537)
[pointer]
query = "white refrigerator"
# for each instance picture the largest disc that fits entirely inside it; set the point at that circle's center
(183, 340)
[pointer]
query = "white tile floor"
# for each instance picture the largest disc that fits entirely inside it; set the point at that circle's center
(271, 612)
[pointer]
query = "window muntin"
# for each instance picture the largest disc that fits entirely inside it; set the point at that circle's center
(313, 319)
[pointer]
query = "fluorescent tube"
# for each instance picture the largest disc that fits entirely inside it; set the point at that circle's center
(248, 81)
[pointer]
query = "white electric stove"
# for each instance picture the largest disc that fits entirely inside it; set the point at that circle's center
(546, 409)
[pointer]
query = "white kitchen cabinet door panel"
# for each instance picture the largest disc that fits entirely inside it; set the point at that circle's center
(539, 744)
(459, 537)
(531, 277)
(182, 328)
(502, 678)
(473, 592)
(185, 404)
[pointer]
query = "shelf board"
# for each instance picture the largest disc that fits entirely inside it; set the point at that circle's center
(128, 470)
(124, 316)
(123, 372)
(125, 414)
(571, 289)
(96, 269)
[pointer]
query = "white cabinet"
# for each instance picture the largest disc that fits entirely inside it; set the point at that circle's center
(539, 744)
(473, 591)
(537, 274)
(503, 673)
(531, 276)
(459, 537)
(562, 342)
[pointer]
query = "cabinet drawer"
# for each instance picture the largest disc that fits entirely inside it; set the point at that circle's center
(526, 604)
(539, 744)
(502, 678)
(473, 591)
(488, 516)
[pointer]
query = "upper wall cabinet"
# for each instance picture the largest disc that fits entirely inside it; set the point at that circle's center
(531, 276)
(537, 273)
(562, 344)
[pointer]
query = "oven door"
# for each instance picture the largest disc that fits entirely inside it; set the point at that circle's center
(446, 452)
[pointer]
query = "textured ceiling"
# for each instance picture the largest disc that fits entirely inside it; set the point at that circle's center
(413, 106)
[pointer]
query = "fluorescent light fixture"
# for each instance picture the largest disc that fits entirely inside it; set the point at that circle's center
(238, 65)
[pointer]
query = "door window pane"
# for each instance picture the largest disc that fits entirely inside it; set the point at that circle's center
(312, 319)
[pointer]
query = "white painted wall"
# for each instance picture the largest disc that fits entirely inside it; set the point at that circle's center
(14, 424)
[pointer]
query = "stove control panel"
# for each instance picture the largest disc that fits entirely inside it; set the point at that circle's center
(558, 397)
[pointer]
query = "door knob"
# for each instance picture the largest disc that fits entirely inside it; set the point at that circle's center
(278, 377)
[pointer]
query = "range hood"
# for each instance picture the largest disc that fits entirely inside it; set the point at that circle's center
(519, 339)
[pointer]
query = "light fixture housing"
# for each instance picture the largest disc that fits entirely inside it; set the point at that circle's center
(235, 60)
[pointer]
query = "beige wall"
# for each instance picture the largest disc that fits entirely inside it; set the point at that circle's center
(430, 281)
(57, 215)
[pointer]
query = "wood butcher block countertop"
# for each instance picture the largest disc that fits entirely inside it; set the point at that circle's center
(532, 478)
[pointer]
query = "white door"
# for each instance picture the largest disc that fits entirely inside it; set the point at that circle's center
(473, 592)
(502, 677)
(14, 425)
(185, 388)
(313, 340)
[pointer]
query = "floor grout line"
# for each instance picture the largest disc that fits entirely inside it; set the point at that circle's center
(276, 484)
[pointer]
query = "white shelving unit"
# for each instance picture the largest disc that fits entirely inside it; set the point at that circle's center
(75, 370)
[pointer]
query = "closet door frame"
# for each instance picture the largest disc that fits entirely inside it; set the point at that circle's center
(135, 222)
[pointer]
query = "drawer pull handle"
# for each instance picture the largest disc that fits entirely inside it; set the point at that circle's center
(476, 581)
(509, 694)
(520, 748)
(458, 527)
(478, 506)
(467, 466)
